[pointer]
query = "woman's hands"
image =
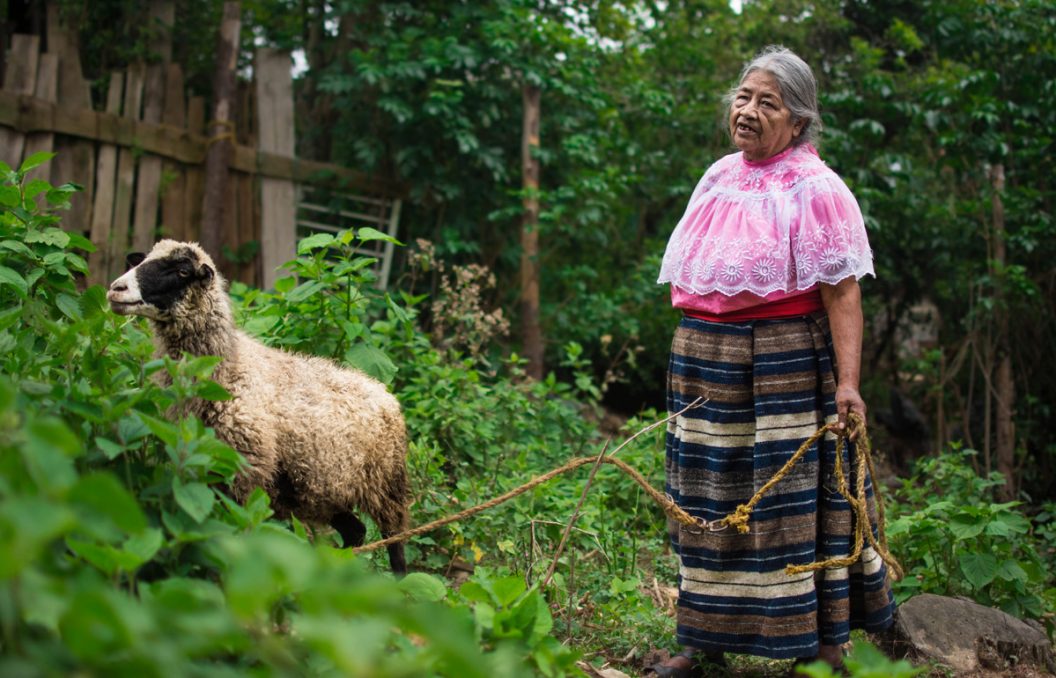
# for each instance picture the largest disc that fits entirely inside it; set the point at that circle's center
(849, 400)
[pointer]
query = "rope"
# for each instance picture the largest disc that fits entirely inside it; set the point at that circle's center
(665, 502)
(863, 526)
(739, 518)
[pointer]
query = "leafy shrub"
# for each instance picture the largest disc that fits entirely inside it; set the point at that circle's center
(121, 553)
(964, 544)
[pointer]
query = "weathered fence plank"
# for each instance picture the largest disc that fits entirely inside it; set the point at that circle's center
(278, 239)
(20, 77)
(27, 114)
(75, 158)
(195, 172)
(103, 205)
(47, 89)
(148, 181)
(173, 199)
(126, 174)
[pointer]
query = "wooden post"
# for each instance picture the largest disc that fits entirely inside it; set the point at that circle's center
(278, 200)
(103, 205)
(221, 130)
(1003, 381)
(148, 182)
(20, 77)
(531, 334)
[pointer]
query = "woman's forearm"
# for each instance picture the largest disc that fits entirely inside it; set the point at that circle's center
(843, 303)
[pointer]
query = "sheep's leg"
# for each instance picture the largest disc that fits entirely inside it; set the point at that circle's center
(393, 522)
(397, 560)
(351, 528)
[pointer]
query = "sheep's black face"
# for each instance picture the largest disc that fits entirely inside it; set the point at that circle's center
(154, 285)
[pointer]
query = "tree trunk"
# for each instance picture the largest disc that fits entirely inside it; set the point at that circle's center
(221, 130)
(1003, 382)
(531, 335)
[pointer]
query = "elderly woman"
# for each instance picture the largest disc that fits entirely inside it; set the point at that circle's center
(765, 266)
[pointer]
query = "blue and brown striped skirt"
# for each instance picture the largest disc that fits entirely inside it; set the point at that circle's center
(769, 385)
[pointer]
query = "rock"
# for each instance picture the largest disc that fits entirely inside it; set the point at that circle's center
(966, 636)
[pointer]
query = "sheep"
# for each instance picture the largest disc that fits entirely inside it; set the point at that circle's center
(320, 439)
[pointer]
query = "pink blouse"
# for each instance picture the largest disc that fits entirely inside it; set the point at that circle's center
(758, 232)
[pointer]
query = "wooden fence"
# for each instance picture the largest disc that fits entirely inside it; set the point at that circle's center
(141, 159)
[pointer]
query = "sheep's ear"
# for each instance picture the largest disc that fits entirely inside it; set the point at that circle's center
(134, 259)
(205, 273)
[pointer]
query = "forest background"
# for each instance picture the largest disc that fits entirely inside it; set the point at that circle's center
(940, 116)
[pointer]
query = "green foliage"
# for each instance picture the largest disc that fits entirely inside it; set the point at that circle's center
(123, 554)
(964, 544)
(322, 307)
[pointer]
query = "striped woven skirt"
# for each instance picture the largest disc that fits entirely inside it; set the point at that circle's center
(769, 385)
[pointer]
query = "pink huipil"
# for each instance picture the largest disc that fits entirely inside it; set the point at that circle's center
(755, 233)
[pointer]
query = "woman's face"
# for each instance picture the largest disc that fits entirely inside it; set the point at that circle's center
(760, 123)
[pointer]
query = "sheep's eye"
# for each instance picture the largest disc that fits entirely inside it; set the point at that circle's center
(183, 272)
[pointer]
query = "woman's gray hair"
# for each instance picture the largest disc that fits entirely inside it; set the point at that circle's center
(799, 89)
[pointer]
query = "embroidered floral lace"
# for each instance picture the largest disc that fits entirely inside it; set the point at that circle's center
(779, 225)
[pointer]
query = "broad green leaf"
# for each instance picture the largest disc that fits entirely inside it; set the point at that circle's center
(102, 494)
(104, 557)
(12, 278)
(373, 361)
(17, 246)
(261, 325)
(1008, 524)
(49, 236)
(167, 432)
(35, 187)
(9, 196)
(366, 234)
(507, 589)
(304, 291)
(472, 590)
(48, 454)
(200, 366)
(109, 448)
(69, 306)
(967, 526)
(195, 498)
(284, 285)
(35, 160)
(422, 586)
(210, 390)
(78, 241)
(1010, 570)
(26, 525)
(144, 545)
(978, 568)
(314, 242)
(44, 598)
